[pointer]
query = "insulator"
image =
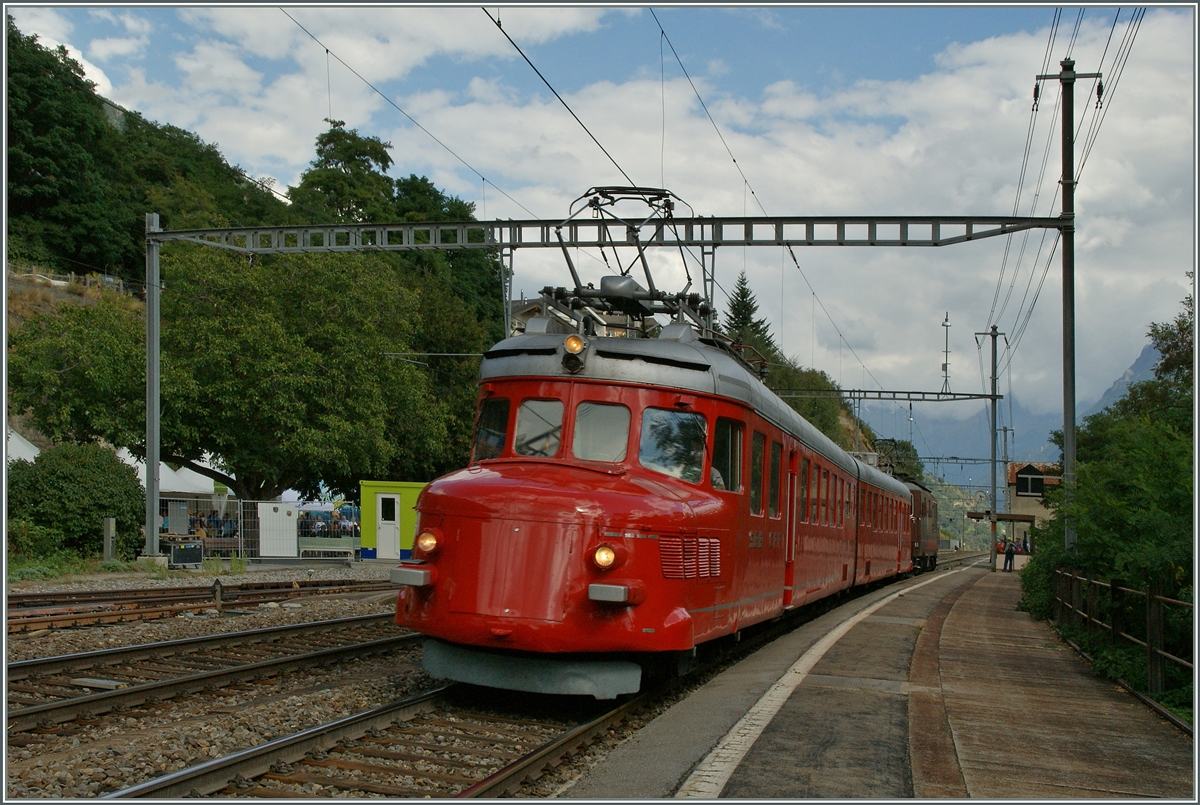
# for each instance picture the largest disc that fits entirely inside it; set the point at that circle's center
(1035, 97)
(1099, 93)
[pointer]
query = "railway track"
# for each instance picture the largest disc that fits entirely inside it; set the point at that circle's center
(34, 611)
(49, 691)
(443, 743)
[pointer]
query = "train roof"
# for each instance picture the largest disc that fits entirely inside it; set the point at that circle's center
(678, 359)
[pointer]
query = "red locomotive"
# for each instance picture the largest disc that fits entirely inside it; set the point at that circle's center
(631, 498)
(924, 521)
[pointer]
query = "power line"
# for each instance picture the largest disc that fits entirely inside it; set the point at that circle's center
(393, 104)
(748, 186)
(556, 95)
(992, 316)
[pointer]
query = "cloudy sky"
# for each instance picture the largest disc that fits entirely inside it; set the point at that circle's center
(881, 111)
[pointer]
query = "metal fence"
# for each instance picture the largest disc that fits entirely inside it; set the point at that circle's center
(1110, 607)
(257, 529)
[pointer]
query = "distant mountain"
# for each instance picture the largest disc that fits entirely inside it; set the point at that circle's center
(1029, 437)
(1142, 369)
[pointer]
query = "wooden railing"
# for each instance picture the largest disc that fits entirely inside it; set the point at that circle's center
(1079, 601)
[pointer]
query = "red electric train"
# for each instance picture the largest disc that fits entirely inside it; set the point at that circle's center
(629, 499)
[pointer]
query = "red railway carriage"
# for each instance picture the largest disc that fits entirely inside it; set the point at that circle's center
(627, 500)
(924, 526)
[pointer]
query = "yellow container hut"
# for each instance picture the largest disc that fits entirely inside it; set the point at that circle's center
(389, 518)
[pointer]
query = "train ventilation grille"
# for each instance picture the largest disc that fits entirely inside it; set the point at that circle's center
(690, 557)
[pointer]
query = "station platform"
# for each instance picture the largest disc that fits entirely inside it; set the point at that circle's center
(935, 687)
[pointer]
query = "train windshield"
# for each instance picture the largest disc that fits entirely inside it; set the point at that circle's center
(539, 428)
(601, 432)
(673, 443)
(491, 429)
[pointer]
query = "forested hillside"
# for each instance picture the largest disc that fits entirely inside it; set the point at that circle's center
(82, 173)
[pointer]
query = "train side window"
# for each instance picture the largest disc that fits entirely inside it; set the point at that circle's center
(841, 508)
(804, 491)
(816, 493)
(601, 432)
(824, 497)
(776, 469)
(491, 429)
(539, 428)
(758, 449)
(833, 501)
(672, 443)
(727, 455)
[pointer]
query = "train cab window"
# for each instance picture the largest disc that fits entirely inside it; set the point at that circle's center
(539, 428)
(601, 432)
(491, 429)
(673, 443)
(757, 450)
(776, 469)
(804, 491)
(727, 455)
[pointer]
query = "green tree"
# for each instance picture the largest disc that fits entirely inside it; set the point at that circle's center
(348, 181)
(81, 372)
(278, 369)
(1131, 506)
(71, 488)
(740, 322)
(901, 455)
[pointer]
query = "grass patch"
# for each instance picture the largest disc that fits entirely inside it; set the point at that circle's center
(237, 565)
(50, 566)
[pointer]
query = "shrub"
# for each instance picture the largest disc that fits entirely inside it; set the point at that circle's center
(211, 565)
(237, 565)
(25, 540)
(71, 488)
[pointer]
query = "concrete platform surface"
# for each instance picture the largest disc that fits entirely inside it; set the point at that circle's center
(945, 692)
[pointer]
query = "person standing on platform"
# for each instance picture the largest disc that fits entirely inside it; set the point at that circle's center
(1010, 550)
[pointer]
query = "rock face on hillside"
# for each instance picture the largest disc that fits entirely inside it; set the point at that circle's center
(1142, 369)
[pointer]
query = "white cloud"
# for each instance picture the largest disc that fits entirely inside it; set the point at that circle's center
(104, 49)
(48, 24)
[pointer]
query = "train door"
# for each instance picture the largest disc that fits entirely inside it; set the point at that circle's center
(387, 527)
(790, 532)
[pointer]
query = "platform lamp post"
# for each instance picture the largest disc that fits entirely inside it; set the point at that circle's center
(1067, 79)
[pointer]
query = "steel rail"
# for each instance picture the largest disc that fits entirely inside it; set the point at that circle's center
(27, 718)
(145, 608)
(213, 775)
(64, 663)
(66, 598)
(509, 778)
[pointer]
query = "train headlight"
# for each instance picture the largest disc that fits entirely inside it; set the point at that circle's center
(427, 542)
(604, 556)
(573, 348)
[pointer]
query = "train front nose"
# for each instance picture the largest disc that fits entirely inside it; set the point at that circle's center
(566, 561)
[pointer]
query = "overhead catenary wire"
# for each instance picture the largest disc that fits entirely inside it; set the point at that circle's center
(413, 120)
(1120, 58)
(749, 187)
(1029, 133)
(499, 27)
